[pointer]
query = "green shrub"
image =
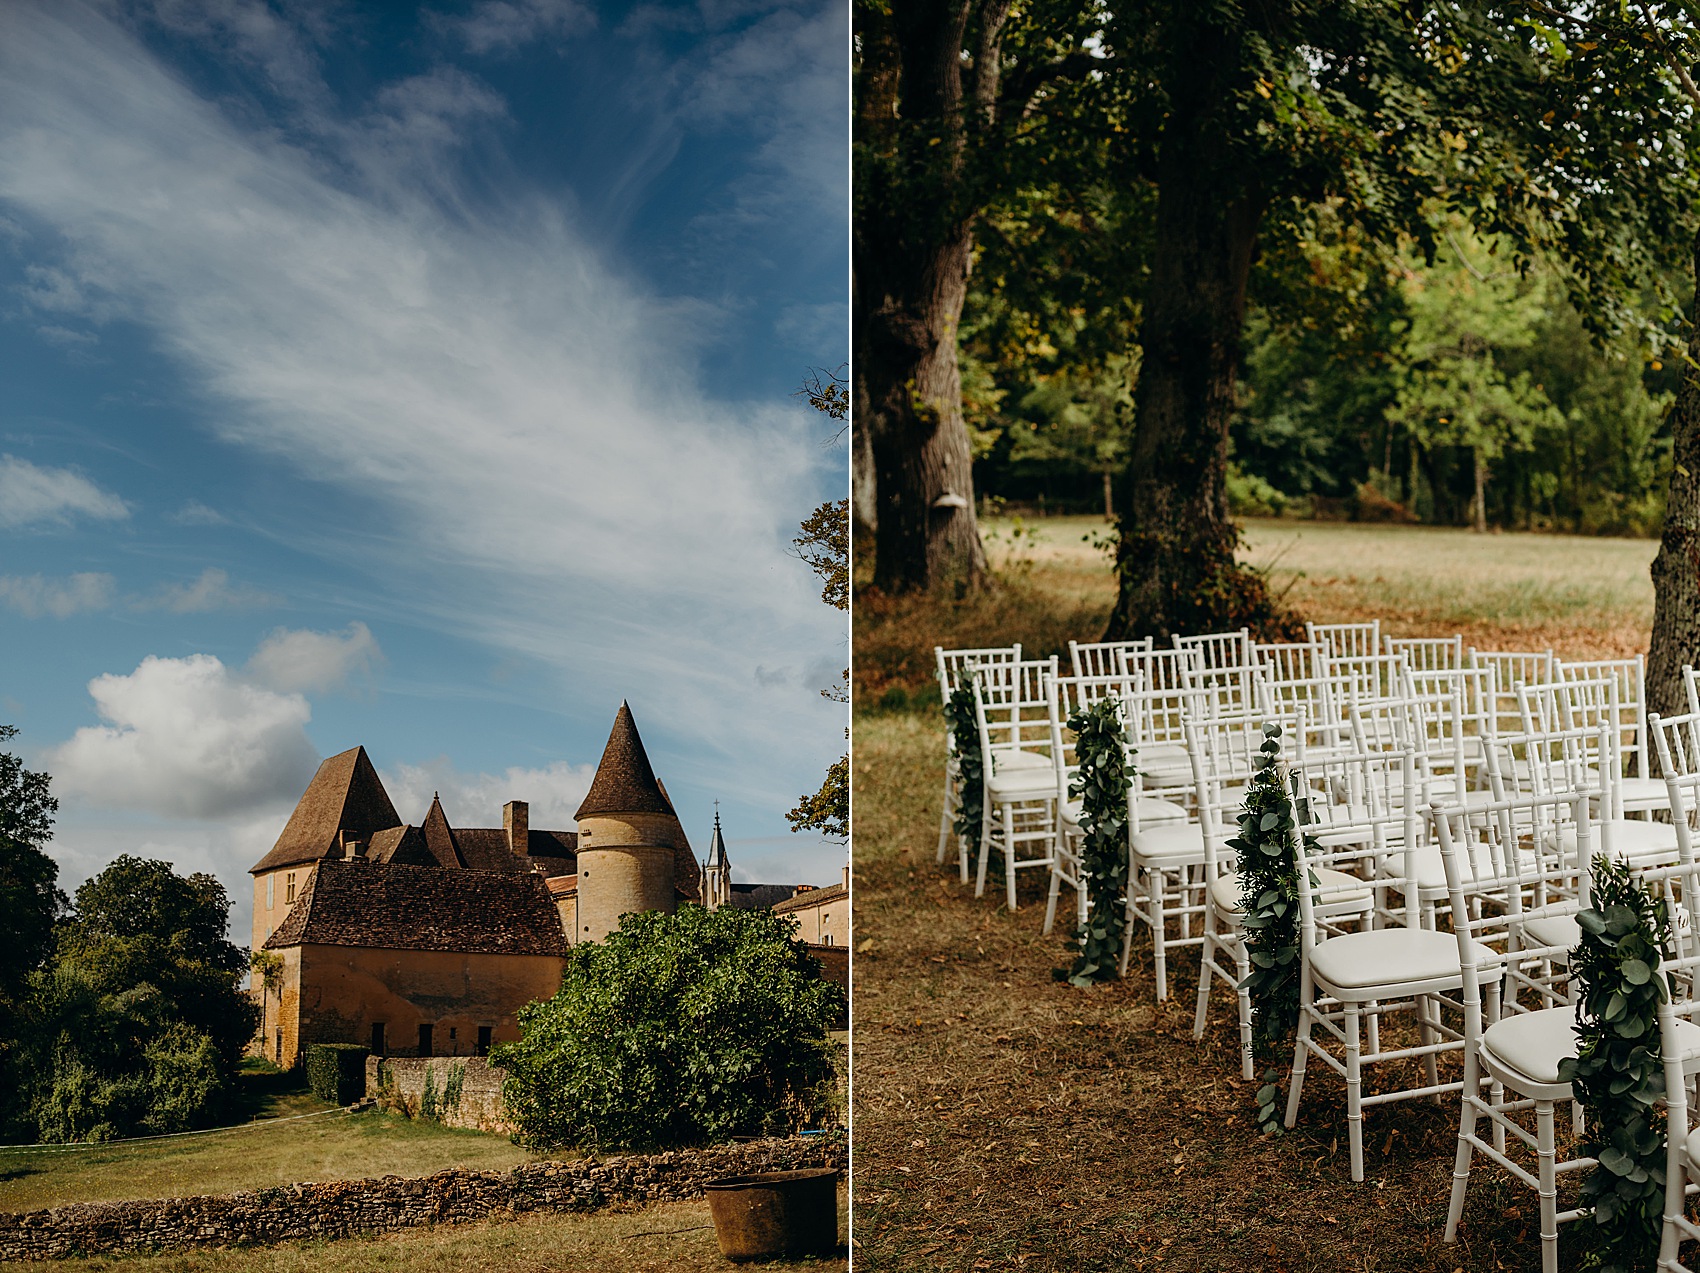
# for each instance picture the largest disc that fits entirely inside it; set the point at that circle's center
(336, 1072)
(679, 1029)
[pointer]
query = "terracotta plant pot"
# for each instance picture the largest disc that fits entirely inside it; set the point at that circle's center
(775, 1213)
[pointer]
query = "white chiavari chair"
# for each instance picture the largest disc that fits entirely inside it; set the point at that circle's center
(1428, 654)
(1098, 658)
(1642, 793)
(955, 667)
(1015, 706)
(1343, 640)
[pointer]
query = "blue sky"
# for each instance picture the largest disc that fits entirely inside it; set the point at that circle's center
(420, 377)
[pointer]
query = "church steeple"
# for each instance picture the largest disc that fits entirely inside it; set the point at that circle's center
(717, 870)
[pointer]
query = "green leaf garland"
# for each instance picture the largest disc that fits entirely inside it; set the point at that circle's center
(970, 767)
(1102, 783)
(1269, 904)
(1618, 1072)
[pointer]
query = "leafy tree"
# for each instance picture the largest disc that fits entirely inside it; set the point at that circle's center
(137, 1025)
(1394, 117)
(31, 901)
(679, 1029)
(1454, 391)
(824, 545)
(952, 99)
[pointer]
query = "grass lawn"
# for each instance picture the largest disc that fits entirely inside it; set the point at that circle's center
(1005, 1120)
(335, 1146)
(675, 1236)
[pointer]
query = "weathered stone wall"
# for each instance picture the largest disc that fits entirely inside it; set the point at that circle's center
(480, 1102)
(344, 1208)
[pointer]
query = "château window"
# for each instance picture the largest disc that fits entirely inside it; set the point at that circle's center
(271, 890)
(289, 889)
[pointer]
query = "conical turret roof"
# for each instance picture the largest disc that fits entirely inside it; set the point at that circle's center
(345, 795)
(624, 782)
(440, 836)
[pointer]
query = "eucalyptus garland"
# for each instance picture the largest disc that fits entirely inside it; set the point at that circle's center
(1269, 904)
(1618, 1072)
(970, 767)
(1101, 784)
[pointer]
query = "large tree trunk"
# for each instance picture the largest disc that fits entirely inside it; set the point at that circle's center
(1676, 570)
(1479, 507)
(912, 243)
(1175, 551)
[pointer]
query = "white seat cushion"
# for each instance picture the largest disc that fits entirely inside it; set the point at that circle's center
(1151, 811)
(1533, 1043)
(1387, 957)
(1431, 871)
(1645, 793)
(1644, 843)
(1004, 761)
(1022, 784)
(1554, 930)
(1342, 894)
(1174, 844)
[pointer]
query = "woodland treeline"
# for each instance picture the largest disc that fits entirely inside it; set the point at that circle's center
(1372, 404)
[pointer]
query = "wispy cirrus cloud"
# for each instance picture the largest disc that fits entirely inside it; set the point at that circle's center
(524, 420)
(36, 597)
(32, 494)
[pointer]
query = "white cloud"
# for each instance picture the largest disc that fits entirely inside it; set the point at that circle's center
(475, 800)
(34, 596)
(184, 738)
(195, 513)
(212, 590)
(301, 659)
(501, 26)
(553, 482)
(30, 493)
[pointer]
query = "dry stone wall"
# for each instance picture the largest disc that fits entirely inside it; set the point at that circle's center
(466, 1091)
(344, 1208)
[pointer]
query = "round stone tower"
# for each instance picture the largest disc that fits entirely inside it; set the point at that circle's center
(629, 838)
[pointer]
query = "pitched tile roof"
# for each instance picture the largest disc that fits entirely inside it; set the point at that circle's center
(440, 836)
(345, 795)
(403, 845)
(624, 782)
(391, 907)
(811, 897)
(759, 897)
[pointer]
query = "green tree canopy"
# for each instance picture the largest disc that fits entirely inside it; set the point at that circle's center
(679, 1029)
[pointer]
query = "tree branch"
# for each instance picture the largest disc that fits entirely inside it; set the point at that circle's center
(1075, 66)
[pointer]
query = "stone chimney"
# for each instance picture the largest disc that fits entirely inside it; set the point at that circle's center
(516, 821)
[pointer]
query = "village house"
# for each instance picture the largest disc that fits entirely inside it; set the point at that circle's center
(427, 940)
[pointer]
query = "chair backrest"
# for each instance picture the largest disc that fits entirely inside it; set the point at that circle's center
(1158, 701)
(1351, 808)
(1500, 876)
(1513, 668)
(1564, 761)
(1366, 678)
(1219, 649)
(955, 666)
(1219, 691)
(1452, 715)
(1014, 704)
(1428, 654)
(1629, 677)
(1346, 640)
(1098, 658)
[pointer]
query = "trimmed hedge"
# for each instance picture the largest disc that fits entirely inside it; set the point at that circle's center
(336, 1072)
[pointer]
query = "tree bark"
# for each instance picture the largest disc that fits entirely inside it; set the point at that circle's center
(912, 242)
(1479, 506)
(1175, 560)
(1676, 569)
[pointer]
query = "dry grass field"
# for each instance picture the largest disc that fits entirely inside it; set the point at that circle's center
(1004, 1120)
(668, 1238)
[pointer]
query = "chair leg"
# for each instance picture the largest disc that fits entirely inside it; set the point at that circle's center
(1242, 965)
(985, 850)
(1549, 1186)
(1207, 951)
(1009, 855)
(1354, 1091)
(1051, 901)
(1159, 925)
(1467, 1115)
(1428, 1034)
(1296, 1076)
(945, 818)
